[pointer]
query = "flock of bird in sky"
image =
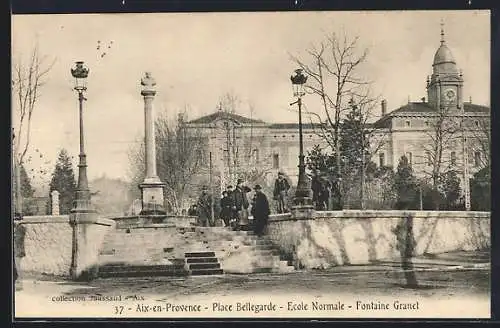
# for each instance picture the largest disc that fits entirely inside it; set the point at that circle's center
(101, 48)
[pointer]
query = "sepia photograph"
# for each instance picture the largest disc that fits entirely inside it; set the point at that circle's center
(301, 164)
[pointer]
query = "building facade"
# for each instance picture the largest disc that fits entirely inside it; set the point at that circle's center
(237, 146)
(441, 132)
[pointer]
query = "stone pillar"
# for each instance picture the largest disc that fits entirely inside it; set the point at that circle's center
(89, 232)
(152, 187)
(54, 197)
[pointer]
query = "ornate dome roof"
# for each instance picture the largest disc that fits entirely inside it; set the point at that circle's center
(443, 55)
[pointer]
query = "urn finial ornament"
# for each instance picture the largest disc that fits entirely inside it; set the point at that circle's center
(148, 83)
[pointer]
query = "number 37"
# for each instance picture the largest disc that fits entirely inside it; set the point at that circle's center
(119, 309)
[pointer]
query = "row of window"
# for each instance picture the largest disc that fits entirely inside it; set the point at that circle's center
(382, 162)
(293, 136)
(453, 158)
(408, 124)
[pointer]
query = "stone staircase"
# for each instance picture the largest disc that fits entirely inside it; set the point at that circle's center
(202, 263)
(167, 250)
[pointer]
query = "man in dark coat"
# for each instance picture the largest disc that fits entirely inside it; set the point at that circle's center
(205, 208)
(241, 204)
(316, 190)
(260, 211)
(280, 193)
(226, 205)
(193, 210)
(324, 195)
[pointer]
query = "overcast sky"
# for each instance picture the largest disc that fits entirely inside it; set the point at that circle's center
(196, 58)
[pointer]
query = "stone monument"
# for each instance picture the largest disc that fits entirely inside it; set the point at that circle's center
(152, 187)
(54, 197)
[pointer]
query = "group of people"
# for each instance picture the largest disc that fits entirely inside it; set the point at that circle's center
(233, 208)
(326, 196)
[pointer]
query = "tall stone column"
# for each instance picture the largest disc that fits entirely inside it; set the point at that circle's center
(152, 187)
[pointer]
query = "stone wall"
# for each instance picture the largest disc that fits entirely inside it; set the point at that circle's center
(47, 245)
(355, 237)
(48, 242)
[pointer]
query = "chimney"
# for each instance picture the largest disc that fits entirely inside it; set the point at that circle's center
(384, 107)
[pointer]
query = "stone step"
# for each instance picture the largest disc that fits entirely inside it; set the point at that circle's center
(287, 265)
(131, 270)
(199, 254)
(144, 249)
(261, 241)
(262, 270)
(129, 267)
(206, 272)
(258, 248)
(266, 252)
(144, 273)
(196, 266)
(201, 260)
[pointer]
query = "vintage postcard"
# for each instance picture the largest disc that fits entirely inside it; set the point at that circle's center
(302, 164)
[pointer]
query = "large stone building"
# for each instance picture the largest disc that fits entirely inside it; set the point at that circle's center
(437, 132)
(238, 145)
(433, 133)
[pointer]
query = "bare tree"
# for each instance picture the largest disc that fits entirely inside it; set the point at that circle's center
(230, 102)
(443, 131)
(481, 139)
(179, 159)
(333, 67)
(372, 139)
(28, 78)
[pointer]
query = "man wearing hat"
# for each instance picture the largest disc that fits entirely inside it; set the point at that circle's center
(205, 208)
(241, 204)
(226, 205)
(280, 193)
(260, 211)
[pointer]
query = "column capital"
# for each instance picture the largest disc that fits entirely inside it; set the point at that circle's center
(148, 85)
(148, 93)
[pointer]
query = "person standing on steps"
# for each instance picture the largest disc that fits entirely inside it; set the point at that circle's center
(241, 205)
(281, 187)
(193, 210)
(260, 211)
(226, 205)
(205, 208)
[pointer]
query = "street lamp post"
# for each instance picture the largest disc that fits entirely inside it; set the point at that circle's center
(82, 213)
(302, 194)
(82, 197)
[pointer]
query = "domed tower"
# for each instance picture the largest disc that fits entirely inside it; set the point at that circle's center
(444, 87)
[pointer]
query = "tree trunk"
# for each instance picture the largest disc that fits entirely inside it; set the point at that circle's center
(363, 174)
(339, 170)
